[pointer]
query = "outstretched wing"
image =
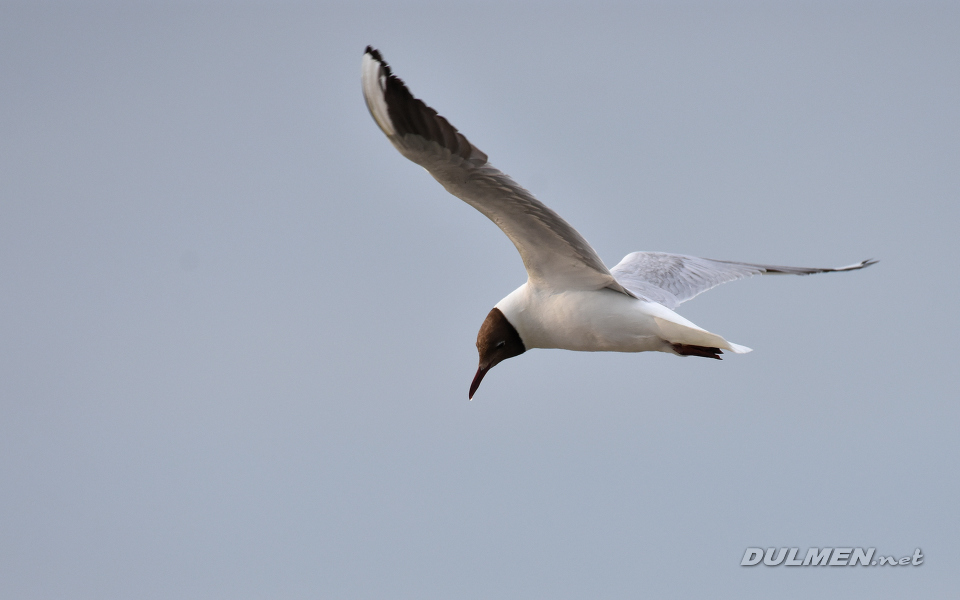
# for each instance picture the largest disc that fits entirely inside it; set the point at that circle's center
(671, 279)
(553, 252)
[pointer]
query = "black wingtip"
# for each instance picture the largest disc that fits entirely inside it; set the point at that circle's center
(861, 265)
(375, 55)
(409, 115)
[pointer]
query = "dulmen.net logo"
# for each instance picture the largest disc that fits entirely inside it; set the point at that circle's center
(826, 557)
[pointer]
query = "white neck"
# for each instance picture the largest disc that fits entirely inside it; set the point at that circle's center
(515, 308)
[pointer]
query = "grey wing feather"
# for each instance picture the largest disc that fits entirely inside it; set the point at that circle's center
(671, 279)
(553, 252)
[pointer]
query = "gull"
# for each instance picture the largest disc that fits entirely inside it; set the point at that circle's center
(570, 300)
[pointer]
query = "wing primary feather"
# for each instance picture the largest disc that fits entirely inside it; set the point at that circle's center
(554, 253)
(410, 115)
(672, 279)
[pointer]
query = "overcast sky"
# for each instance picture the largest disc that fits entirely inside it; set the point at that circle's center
(238, 327)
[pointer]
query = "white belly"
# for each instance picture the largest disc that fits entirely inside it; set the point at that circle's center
(581, 320)
(600, 320)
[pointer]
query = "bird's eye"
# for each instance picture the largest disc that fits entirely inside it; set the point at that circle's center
(501, 344)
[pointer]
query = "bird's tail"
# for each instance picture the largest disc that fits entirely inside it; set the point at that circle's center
(680, 332)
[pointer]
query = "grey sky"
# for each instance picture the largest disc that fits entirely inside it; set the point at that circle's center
(238, 327)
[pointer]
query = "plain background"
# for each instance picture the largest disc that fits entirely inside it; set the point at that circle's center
(238, 327)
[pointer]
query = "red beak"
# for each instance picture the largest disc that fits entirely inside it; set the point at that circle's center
(476, 380)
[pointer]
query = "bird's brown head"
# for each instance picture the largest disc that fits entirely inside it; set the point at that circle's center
(497, 341)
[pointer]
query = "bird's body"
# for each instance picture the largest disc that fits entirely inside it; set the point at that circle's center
(600, 321)
(571, 300)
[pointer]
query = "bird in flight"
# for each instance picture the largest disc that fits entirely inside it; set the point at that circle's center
(570, 300)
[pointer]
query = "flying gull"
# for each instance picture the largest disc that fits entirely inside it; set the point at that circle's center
(570, 300)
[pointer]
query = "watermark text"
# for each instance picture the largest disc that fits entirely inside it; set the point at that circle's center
(826, 557)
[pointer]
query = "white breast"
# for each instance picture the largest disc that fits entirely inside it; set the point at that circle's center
(598, 320)
(601, 320)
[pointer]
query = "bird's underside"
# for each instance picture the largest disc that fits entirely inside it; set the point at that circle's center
(558, 260)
